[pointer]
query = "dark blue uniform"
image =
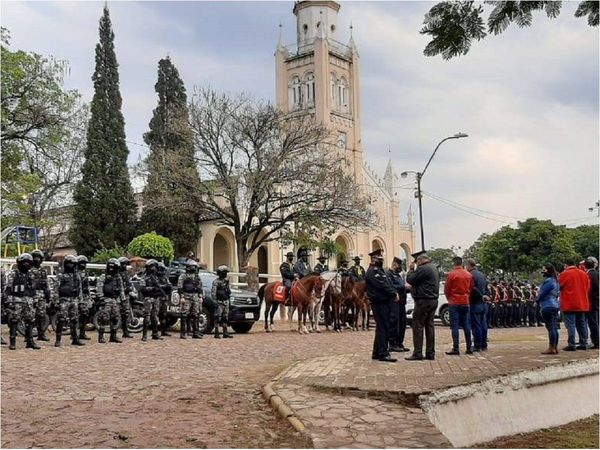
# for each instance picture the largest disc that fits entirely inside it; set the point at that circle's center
(397, 310)
(381, 293)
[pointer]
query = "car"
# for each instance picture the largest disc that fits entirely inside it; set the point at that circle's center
(442, 313)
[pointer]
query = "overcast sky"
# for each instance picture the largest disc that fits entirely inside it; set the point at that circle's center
(528, 98)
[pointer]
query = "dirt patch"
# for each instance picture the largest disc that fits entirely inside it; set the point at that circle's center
(579, 434)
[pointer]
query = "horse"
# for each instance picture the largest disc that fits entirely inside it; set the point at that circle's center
(266, 293)
(332, 283)
(354, 300)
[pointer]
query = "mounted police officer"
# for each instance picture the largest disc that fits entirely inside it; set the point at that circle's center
(43, 294)
(302, 267)
(110, 290)
(85, 300)
(68, 292)
(20, 300)
(124, 305)
(287, 274)
(357, 272)
(381, 293)
(220, 294)
(189, 287)
(163, 277)
(321, 266)
(152, 290)
(343, 269)
(397, 307)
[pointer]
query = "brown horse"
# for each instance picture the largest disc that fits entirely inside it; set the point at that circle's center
(356, 302)
(303, 296)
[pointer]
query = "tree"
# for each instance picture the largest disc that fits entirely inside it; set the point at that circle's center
(105, 211)
(262, 171)
(585, 240)
(442, 258)
(454, 25)
(170, 133)
(43, 129)
(152, 245)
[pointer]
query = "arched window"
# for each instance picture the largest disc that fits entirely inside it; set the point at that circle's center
(295, 92)
(310, 89)
(333, 84)
(344, 91)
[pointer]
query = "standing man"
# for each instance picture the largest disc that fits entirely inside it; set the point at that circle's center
(357, 272)
(124, 301)
(20, 301)
(163, 278)
(85, 300)
(574, 304)
(592, 315)
(109, 290)
(478, 304)
(152, 291)
(321, 267)
(189, 287)
(42, 294)
(398, 308)
(221, 292)
(302, 267)
(423, 279)
(68, 291)
(381, 293)
(458, 288)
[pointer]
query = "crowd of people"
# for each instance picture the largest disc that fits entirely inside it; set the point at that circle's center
(27, 295)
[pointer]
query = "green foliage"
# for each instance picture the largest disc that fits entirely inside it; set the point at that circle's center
(105, 209)
(171, 149)
(585, 239)
(442, 258)
(104, 254)
(152, 245)
(454, 25)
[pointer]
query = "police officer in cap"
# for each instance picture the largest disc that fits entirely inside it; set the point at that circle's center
(343, 269)
(287, 273)
(381, 293)
(398, 308)
(321, 266)
(357, 272)
(302, 267)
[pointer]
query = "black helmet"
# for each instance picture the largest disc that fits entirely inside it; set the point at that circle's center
(191, 266)
(38, 257)
(151, 264)
(223, 270)
(69, 263)
(112, 265)
(123, 262)
(82, 261)
(24, 261)
(162, 269)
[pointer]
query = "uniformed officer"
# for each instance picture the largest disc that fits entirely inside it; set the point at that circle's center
(189, 287)
(163, 278)
(85, 300)
(357, 272)
(20, 301)
(397, 307)
(68, 292)
(321, 266)
(3, 301)
(124, 305)
(43, 294)
(381, 293)
(343, 269)
(287, 274)
(110, 290)
(302, 267)
(220, 294)
(152, 290)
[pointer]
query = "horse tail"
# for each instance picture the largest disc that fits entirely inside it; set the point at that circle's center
(261, 293)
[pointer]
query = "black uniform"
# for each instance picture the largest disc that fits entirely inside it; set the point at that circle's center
(425, 290)
(381, 293)
(357, 273)
(397, 311)
(320, 268)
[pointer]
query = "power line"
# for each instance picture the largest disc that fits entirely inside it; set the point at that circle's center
(478, 209)
(439, 199)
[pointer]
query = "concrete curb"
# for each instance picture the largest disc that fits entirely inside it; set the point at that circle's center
(283, 409)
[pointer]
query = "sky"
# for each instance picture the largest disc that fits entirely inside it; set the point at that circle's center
(528, 99)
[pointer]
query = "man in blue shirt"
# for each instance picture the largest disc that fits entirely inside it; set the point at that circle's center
(480, 297)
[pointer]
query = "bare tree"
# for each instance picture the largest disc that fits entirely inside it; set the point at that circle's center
(262, 170)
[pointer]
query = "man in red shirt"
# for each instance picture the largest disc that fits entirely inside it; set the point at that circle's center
(458, 287)
(574, 304)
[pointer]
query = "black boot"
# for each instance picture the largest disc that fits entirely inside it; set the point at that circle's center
(145, 331)
(12, 336)
(183, 328)
(75, 337)
(195, 328)
(164, 327)
(101, 339)
(41, 333)
(124, 322)
(155, 335)
(29, 335)
(114, 338)
(225, 333)
(2, 341)
(59, 328)
(217, 334)
(82, 324)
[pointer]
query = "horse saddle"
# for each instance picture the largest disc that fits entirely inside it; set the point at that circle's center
(280, 292)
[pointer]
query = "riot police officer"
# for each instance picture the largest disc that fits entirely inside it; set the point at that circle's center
(321, 266)
(357, 272)
(221, 293)
(85, 300)
(20, 299)
(189, 287)
(124, 305)
(287, 274)
(110, 290)
(152, 290)
(68, 292)
(43, 294)
(163, 278)
(302, 267)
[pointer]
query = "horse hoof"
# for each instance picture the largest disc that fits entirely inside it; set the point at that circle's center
(267, 330)
(317, 331)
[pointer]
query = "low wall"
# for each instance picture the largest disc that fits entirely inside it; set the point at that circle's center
(518, 403)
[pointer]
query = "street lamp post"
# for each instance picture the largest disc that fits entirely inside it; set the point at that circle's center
(419, 176)
(595, 207)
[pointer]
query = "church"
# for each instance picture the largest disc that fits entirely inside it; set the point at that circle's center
(321, 75)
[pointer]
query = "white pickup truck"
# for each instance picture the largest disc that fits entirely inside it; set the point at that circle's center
(442, 313)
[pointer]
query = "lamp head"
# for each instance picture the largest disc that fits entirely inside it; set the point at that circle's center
(405, 174)
(461, 135)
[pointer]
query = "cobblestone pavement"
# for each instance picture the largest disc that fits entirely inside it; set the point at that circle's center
(191, 393)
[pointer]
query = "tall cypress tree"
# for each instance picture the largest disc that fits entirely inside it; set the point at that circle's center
(105, 209)
(171, 157)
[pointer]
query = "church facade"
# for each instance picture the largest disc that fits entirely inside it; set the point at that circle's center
(321, 75)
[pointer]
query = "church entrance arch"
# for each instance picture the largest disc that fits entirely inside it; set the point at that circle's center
(223, 249)
(406, 257)
(345, 247)
(263, 263)
(378, 244)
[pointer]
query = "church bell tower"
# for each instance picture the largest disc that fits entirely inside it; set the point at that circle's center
(319, 75)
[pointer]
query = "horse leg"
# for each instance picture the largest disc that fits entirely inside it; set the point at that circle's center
(300, 319)
(317, 316)
(267, 307)
(274, 308)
